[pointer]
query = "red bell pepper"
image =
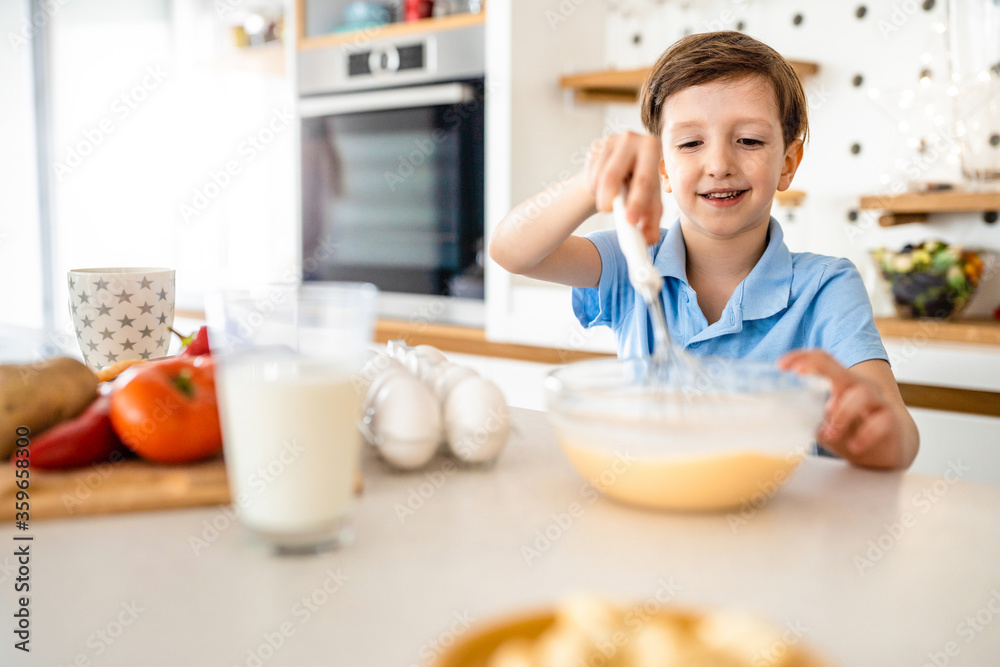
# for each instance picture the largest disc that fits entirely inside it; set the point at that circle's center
(81, 441)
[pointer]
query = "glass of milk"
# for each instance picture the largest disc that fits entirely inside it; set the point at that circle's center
(288, 358)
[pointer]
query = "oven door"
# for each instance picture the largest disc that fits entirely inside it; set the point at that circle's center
(392, 188)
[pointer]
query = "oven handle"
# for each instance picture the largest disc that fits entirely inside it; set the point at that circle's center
(379, 100)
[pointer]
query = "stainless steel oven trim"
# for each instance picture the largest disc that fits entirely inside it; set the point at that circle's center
(451, 55)
(381, 100)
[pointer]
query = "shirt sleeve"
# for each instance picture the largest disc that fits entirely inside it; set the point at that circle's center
(607, 303)
(844, 324)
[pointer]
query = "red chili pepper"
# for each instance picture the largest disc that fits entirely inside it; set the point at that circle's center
(81, 441)
(197, 345)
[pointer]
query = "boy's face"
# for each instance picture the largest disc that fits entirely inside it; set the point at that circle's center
(724, 156)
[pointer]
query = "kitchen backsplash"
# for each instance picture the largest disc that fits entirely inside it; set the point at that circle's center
(878, 107)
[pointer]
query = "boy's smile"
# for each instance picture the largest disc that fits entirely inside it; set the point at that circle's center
(724, 156)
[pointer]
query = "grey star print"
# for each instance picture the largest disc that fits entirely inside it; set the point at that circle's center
(146, 332)
(162, 294)
(86, 322)
(93, 346)
(126, 321)
(128, 345)
(106, 333)
(145, 283)
(124, 296)
(84, 297)
(145, 355)
(101, 284)
(111, 358)
(146, 308)
(103, 310)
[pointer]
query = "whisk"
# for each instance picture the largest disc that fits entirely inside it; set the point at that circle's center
(669, 361)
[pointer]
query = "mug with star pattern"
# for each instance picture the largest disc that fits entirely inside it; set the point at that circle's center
(121, 313)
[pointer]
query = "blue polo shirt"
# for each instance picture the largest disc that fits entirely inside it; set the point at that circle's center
(789, 301)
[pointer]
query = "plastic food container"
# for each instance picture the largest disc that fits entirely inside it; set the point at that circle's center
(729, 434)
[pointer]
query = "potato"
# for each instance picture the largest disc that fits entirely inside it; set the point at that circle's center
(41, 395)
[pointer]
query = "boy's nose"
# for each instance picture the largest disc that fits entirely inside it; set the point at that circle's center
(719, 162)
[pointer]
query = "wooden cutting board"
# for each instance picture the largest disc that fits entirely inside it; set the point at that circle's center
(125, 486)
(110, 488)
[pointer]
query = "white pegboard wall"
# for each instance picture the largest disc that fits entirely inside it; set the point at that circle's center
(868, 110)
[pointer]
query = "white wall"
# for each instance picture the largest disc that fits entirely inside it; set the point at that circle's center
(151, 101)
(20, 259)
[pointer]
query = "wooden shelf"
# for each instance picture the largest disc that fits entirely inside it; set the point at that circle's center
(622, 86)
(389, 30)
(789, 198)
(976, 331)
(916, 206)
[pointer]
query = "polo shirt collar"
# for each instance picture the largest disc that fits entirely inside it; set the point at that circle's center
(763, 293)
(768, 288)
(670, 258)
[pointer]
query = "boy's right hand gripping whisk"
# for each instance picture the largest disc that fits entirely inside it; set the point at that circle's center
(668, 359)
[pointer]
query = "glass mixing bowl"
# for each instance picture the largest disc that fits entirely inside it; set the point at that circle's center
(724, 434)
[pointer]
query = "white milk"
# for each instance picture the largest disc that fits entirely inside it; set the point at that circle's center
(291, 443)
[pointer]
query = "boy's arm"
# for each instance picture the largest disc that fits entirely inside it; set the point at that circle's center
(536, 238)
(866, 422)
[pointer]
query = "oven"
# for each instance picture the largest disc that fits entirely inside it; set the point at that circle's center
(392, 173)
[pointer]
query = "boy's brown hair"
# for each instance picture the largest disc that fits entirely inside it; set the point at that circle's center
(727, 55)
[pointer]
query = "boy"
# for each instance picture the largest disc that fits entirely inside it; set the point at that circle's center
(726, 117)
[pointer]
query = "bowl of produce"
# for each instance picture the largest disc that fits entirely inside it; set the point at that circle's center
(723, 433)
(932, 279)
(588, 630)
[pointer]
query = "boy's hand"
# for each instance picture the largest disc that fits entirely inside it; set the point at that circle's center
(633, 159)
(866, 423)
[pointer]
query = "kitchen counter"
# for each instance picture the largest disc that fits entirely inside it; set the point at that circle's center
(870, 568)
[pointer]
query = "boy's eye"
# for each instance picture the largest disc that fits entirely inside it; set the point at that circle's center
(690, 144)
(751, 142)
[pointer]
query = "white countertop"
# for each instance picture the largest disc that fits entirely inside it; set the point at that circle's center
(871, 568)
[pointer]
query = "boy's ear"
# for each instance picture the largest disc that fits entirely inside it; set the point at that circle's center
(664, 179)
(793, 156)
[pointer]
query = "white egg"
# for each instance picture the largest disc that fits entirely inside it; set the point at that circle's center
(391, 368)
(476, 420)
(423, 360)
(406, 421)
(431, 354)
(448, 377)
(376, 362)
